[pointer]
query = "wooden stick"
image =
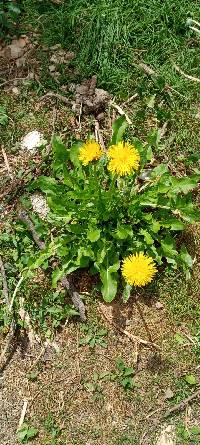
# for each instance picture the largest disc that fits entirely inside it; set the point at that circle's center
(15, 292)
(5, 286)
(187, 76)
(99, 135)
(76, 299)
(7, 163)
(130, 99)
(128, 334)
(180, 406)
(23, 413)
(74, 295)
(6, 348)
(63, 99)
(121, 111)
(12, 328)
(25, 218)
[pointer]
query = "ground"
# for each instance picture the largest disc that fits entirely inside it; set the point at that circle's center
(69, 400)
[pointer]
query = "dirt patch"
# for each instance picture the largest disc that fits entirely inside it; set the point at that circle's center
(109, 412)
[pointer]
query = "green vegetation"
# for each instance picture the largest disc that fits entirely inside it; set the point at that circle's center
(112, 37)
(9, 14)
(109, 217)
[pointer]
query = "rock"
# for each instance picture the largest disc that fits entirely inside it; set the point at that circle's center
(94, 100)
(22, 41)
(52, 68)
(16, 48)
(32, 141)
(40, 205)
(159, 305)
(54, 47)
(15, 91)
(167, 436)
(168, 394)
(145, 175)
(69, 55)
(20, 62)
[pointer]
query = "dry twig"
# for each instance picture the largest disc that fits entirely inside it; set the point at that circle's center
(180, 406)
(11, 332)
(56, 96)
(9, 339)
(74, 295)
(7, 163)
(23, 413)
(5, 286)
(121, 111)
(99, 136)
(131, 98)
(128, 334)
(187, 76)
(25, 218)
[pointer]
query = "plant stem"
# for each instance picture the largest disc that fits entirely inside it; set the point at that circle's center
(15, 292)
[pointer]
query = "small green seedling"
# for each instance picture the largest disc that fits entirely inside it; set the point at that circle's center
(53, 429)
(93, 387)
(190, 379)
(93, 336)
(125, 375)
(189, 435)
(26, 432)
(3, 116)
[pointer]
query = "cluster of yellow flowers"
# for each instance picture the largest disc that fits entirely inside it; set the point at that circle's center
(123, 157)
(137, 269)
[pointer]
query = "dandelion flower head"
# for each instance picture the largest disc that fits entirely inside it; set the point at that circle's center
(138, 269)
(90, 151)
(124, 158)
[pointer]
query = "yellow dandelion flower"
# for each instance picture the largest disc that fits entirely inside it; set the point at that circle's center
(90, 151)
(124, 158)
(138, 269)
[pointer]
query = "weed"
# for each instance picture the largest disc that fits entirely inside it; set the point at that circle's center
(3, 116)
(26, 432)
(9, 14)
(123, 376)
(118, 217)
(93, 336)
(191, 436)
(94, 388)
(51, 427)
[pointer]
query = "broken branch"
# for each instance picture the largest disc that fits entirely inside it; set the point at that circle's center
(187, 76)
(128, 334)
(180, 406)
(5, 286)
(56, 96)
(74, 295)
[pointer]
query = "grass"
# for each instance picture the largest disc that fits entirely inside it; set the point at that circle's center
(111, 36)
(110, 39)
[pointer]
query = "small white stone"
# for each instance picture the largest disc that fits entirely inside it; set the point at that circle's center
(159, 305)
(32, 141)
(15, 91)
(167, 436)
(40, 205)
